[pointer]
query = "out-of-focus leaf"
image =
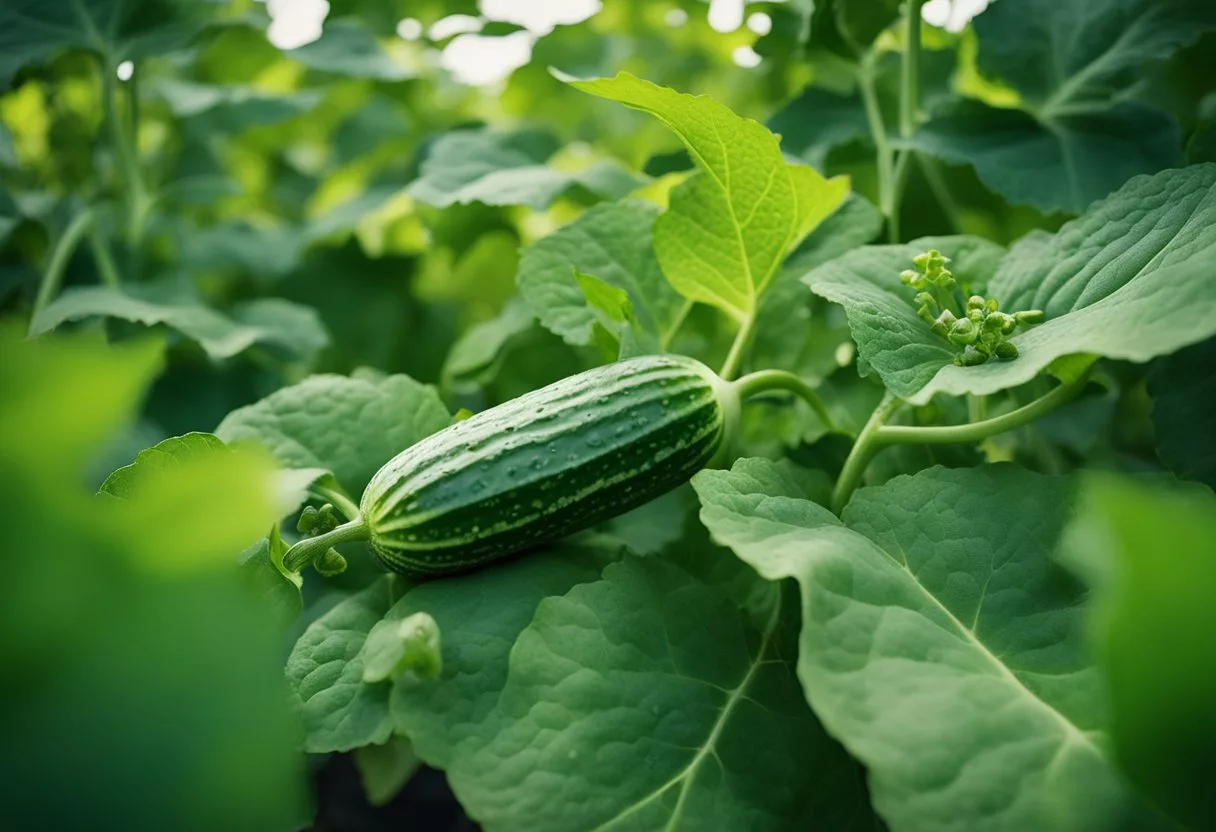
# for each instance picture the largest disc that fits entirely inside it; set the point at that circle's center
(165, 498)
(345, 425)
(232, 108)
(31, 31)
(273, 322)
(1128, 280)
(508, 169)
(259, 251)
(97, 644)
(1076, 137)
(347, 48)
(484, 344)
(1151, 553)
(614, 243)
(940, 643)
(43, 382)
(385, 769)
(1062, 164)
(1183, 386)
(730, 225)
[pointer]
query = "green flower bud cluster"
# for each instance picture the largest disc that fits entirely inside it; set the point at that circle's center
(313, 522)
(981, 330)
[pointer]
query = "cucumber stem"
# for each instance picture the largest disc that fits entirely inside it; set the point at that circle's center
(765, 380)
(310, 548)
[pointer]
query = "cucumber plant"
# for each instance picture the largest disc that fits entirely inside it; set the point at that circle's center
(755, 447)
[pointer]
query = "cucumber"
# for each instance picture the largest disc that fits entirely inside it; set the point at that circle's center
(549, 463)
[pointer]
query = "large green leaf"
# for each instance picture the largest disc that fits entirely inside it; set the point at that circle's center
(1076, 138)
(1183, 386)
(349, 426)
(295, 330)
(613, 242)
(730, 225)
(509, 169)
(1059, 165)
(1151, 553)
(1130, 280)
(325, 671)
(940, 643)
(640, 700)
(33, 30)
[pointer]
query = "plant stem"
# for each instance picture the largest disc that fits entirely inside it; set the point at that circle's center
(979, 431)
(106, 269)
(878, 132)
(310, 548)
(765, 380)
(681, 316)
(937, 184)
(909, 82)
(863, 451)
(734, 358)
(909, 111)
(124, 147)
(52, 278)
(343, 503)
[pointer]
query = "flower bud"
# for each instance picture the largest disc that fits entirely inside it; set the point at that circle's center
(1006, 351)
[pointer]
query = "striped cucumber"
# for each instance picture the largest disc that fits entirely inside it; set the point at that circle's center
(544, 465)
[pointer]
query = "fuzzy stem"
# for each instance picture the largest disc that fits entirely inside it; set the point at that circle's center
(734, 358)
(979, 431)
(765, 380)
(106, 269)
(666, 338)
(863, 451)
(310, 548)
(65, 246)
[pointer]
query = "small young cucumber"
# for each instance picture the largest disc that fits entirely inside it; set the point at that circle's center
(549, 463)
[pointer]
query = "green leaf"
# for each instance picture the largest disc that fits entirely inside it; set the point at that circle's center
(660, 683)
(939, 641)
(787, 334)
(10, 216)
(817, 121)
(230, 107)
(345, 425)
(262, 251)
(347, 48)
(613, 242)
(449, 719)
(1074, 63)
(497, 168)
(1152, 622)
(31, 31)
(1061, 164)
(295, 330)
(1127, 280)
(192, 502)
(385, 769)
(43, 382)
(481, 349)
(729, 226)
(1183, 388)
(325, 672)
